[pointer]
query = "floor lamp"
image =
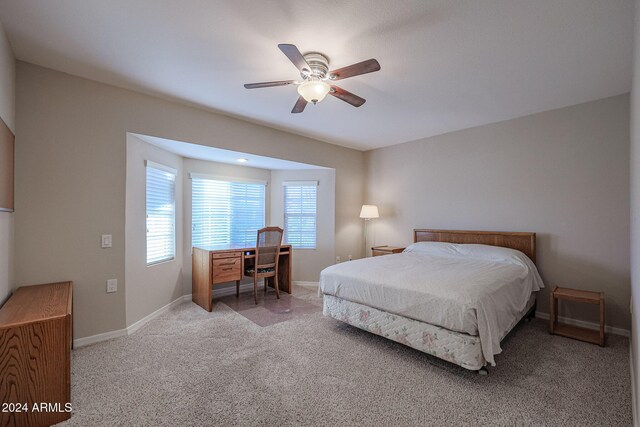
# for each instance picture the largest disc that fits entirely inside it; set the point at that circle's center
(368, 212)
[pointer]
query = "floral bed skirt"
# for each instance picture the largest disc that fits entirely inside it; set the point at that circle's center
(454, 347)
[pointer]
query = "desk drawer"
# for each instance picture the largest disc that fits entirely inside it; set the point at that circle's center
(222, 255)
(227, 269)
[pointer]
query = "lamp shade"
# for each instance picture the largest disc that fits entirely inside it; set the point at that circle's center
(314, 90)
(369, 211)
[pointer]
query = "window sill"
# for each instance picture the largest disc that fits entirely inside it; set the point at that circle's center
(164, 261)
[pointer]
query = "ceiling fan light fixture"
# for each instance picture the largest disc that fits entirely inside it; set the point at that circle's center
(314, 70)
(314, 91)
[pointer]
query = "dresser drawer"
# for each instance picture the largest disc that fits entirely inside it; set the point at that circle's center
(225, 263)
(221, 255)
(227, 269)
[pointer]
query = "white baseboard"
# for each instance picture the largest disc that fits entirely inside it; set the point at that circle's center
(81, 342)
(588, 325)
(305, 283)
(140, 323)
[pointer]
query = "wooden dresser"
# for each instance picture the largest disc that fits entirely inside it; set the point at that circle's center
(35, 355)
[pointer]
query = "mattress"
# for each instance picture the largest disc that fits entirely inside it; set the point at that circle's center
(477, 290)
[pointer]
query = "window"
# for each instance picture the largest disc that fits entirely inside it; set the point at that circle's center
(300, 199)
(226, 212)
(161, 213)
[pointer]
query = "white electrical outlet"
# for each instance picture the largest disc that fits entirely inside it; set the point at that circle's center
(112, 285)
(106, 241)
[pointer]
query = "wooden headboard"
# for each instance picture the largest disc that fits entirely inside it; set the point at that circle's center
(524, 242)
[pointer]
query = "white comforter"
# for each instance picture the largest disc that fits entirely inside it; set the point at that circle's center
(475, 289)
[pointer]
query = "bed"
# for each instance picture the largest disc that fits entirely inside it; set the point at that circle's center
(452, 294)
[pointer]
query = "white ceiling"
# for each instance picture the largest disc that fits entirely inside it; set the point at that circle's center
(446, 64)
(213, 154)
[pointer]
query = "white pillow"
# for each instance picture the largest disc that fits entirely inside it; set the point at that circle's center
(495, 253)
(471, 250)
(435, 248)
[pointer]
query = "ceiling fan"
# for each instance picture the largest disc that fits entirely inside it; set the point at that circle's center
(317, 80)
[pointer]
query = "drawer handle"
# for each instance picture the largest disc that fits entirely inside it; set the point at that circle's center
(228, 263)
(227, 269)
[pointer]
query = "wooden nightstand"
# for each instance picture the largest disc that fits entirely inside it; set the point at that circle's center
(386, 250)
(571, 331)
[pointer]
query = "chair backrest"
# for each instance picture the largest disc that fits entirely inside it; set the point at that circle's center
(268, 247)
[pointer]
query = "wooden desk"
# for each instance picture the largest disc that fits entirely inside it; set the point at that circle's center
(35, 354)
(222, 264)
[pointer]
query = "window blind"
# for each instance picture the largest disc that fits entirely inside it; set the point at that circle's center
(161, 213)
(226, 212)
(300, 213)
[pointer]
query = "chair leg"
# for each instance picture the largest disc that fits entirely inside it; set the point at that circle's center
(237, 288)
(255, 287)
(275, 283)
(264, 282)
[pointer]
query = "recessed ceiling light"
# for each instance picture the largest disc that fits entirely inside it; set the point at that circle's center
(243, 160)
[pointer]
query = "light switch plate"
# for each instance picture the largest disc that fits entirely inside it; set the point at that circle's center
(112, 285)
(106, 240)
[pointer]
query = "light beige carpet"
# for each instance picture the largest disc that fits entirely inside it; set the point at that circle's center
(189, 367)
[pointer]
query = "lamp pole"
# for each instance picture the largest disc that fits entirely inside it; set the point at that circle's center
(366, 236)
(367, 213)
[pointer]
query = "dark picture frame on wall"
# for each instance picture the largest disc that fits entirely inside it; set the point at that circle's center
(7, 157)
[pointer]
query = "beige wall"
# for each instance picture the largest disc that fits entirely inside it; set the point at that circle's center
(71, 171)
(7, 113)
(220, 169)
(308, 263)
(148, 287)
(563, 174)
(7, 82)
(635, 217)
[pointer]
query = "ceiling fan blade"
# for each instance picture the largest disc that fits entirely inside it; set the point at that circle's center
(346, 96)
(300, 104)
(294, 55)
(364, 67)
(268, 84)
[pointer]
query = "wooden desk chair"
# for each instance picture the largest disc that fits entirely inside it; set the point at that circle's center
(266, 261)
